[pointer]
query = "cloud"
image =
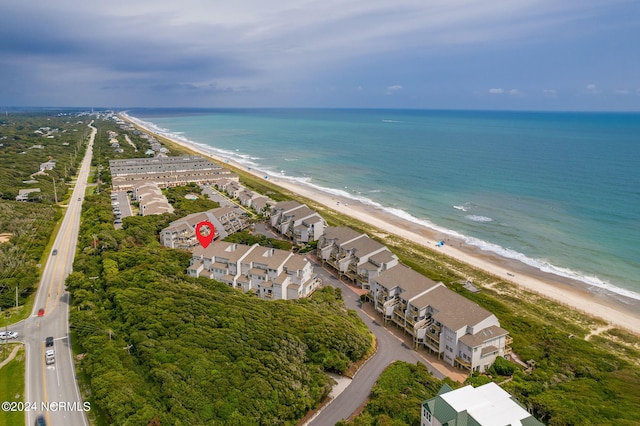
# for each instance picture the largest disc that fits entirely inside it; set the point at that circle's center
(622, 92)
(393, 89)
(550, 93)
(515, 92)
(592, 88)
(496, 91)
(132, 49)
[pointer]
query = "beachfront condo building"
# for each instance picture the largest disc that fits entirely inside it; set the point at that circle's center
(486, 405)
(270, 273)
(354, 256)
(254, 200)
(181, 234)
(297, 222)
(165, 171)
(459, 331)
(150, 199)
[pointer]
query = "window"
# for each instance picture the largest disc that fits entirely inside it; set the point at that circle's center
(427, 415)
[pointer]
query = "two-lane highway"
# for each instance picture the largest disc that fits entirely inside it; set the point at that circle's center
(51, 389)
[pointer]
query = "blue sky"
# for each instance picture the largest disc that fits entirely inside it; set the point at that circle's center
(450, 54)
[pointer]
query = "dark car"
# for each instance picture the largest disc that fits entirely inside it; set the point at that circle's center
(48, 341)
(40, 421)
(54, 252)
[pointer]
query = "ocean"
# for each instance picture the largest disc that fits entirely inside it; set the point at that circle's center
(557, 191)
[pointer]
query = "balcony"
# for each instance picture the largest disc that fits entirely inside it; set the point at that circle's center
(399, 311)
(463, 363)
(433, 335)
(351, 275)
(398, 320)
(411, 320)
(507, 345)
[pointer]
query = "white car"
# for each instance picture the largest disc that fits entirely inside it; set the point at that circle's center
(9, 335)
(49, 356)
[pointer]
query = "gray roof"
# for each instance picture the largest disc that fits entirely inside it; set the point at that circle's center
(363, 246)
(411, 282)
(287, 205)
(485, 335)
(271, 257)
(383, 256)
(456, 311)
(296, 263)
(341, 234)
(231, 251)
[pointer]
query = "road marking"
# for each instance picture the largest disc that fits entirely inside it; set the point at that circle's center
(44, 381)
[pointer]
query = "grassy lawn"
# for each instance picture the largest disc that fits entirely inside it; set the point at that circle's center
(12, 386)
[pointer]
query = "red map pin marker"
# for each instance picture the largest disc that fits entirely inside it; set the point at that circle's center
(206, 238)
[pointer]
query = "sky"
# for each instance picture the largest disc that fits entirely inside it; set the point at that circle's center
(568, 55)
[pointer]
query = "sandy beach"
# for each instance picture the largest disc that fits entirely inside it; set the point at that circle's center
(615, 309)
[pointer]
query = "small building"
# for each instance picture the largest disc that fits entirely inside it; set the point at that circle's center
(48, 165)
(486, 405)
(23, 194)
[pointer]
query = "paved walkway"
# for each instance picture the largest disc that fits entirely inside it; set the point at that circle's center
(11, 356)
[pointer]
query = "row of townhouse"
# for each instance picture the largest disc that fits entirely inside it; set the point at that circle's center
(166, 171)
(181, 233)
(250, 199)
(458, 330)
(270, 273)
(297, 222)
(354, 256)
(151, 199)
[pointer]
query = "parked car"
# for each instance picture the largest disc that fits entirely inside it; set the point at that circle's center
(48, 342)
(9, 335)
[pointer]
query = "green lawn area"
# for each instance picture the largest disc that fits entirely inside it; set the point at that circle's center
(12, 386)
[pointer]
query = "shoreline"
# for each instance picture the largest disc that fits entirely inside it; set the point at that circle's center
(613, 308)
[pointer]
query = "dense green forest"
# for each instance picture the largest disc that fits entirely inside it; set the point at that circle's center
(26, 228)
(396, 399)
(26, 141)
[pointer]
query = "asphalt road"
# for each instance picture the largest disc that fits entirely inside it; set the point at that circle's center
(390, 349)
(52, 390)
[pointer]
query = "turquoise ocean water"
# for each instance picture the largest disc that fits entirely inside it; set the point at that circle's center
(558, 191)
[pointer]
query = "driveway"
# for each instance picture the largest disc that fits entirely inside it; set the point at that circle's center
(391, 347)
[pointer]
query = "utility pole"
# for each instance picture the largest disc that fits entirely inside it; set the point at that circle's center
(16, 299)
(55, 194)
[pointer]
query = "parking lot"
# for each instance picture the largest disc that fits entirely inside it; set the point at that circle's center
(121, 207)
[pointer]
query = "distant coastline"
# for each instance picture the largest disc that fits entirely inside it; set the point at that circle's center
(617, 309)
